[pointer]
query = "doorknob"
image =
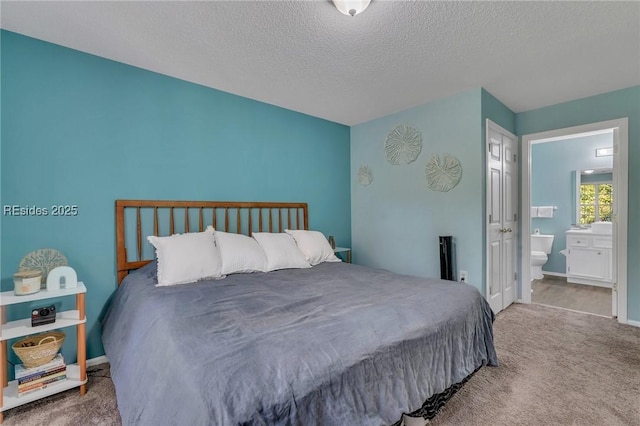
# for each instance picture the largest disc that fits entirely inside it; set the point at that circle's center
(508, 230)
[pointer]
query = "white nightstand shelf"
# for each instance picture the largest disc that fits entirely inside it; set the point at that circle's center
(76, 373)
(21, 328)
(9, 298)
(12, 400)
(346, 251)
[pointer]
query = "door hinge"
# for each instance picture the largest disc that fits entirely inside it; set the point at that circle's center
(515, 217)
(490, 221)
(568, 268)
(615, 286)
(514, 158)
(515, 276)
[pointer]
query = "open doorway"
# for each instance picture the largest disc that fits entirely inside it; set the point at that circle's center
(574, 228)
(571, 190)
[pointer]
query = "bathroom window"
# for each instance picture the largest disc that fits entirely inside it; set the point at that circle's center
(595, 202)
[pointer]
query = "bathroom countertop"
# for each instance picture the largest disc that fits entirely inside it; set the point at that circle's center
(586, 231)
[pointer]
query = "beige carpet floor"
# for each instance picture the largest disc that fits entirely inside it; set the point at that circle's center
(556, 368)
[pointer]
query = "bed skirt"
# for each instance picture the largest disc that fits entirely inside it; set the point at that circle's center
(433, 404)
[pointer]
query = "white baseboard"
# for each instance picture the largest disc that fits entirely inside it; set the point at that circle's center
(554, 274)
(633, 323)
(97, 360)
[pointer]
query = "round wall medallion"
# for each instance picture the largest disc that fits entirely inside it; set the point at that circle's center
(365, 176)
(403, 145)
(443, 173)
(43, 260)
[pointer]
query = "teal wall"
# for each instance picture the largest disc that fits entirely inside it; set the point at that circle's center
(397, 219)
(407, 216)
(552, 167)
(79, 129)
(497, 112)
(608, 106)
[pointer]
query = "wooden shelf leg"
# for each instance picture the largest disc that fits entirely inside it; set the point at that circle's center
(82, 342)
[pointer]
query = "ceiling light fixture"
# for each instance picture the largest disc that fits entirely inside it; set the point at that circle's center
(351, 7)
(588, 172)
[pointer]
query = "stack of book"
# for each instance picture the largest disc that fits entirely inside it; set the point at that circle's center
(33, 379)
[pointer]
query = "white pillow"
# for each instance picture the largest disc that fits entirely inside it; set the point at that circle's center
(314, 246)
(281, 250)
(186, 258)
(240, 253)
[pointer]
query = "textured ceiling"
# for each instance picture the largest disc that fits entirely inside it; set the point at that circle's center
(308, 57)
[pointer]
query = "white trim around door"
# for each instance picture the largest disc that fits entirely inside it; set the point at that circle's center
(621, 201)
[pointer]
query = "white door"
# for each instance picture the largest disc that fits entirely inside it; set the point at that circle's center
(501, 217)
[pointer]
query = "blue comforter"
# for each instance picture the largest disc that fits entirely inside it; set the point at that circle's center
(336, 344)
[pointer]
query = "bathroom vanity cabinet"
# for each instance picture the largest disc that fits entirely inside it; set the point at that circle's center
(589, 258)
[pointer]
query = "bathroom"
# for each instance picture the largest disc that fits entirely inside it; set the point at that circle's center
(571, 211)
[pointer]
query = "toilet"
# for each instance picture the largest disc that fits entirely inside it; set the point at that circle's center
(540, 248)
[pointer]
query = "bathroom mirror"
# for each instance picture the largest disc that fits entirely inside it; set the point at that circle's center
(592, 192)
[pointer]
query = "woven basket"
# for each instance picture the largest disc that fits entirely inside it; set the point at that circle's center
(38, 350)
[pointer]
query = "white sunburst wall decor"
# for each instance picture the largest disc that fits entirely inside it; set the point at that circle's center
(365, 176)
(443, 172)
(403, 145)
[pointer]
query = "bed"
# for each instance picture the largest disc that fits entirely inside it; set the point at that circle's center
(332, 344)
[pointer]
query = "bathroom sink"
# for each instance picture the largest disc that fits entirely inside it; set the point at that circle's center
(602, 227)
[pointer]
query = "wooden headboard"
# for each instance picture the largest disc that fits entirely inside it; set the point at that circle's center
(170, 217)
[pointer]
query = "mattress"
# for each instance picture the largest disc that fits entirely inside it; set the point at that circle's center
(330, 345)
